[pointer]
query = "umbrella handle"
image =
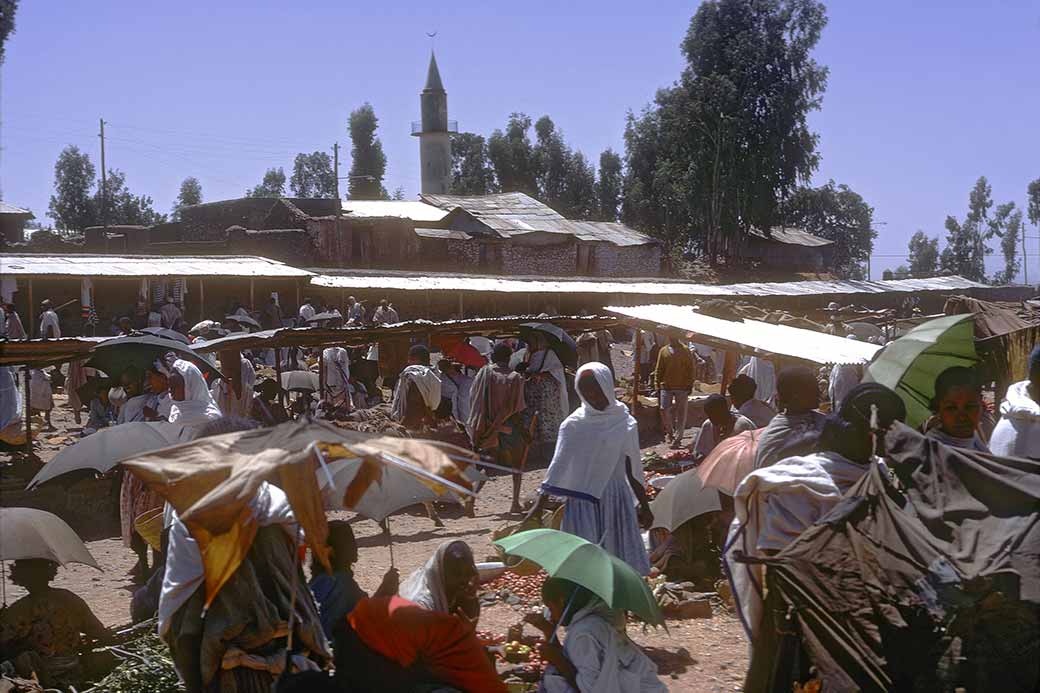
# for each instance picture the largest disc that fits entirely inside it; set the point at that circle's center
(389, 538)
(563, 616)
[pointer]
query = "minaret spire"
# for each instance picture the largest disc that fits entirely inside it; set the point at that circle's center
(434, 133)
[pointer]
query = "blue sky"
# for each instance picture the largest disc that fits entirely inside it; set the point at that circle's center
(923, 96)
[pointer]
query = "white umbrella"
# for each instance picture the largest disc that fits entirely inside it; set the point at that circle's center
(101, 451)
(242, 320)
(300, 381)
(684, 498)
(395, 490)
(32, 533)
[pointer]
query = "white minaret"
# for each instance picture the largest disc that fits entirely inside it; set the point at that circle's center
(434, 133)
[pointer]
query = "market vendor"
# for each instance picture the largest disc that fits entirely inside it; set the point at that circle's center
(42, 632)
(597, 655)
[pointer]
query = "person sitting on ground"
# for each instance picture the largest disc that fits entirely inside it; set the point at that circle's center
(337, 593)
(597, 468)
(496, 423)
(673, 380)
(1017, 433)
(798, 396)
(138, 399)
(447, 582)
(456, 388)
(267, 410)
(722, 422)
(101, 413)
(393, 645)
(418, 391)
(42, 633)
(597, 655)
(957, 408)
(742, 395)
(775, 504)
(126, 328)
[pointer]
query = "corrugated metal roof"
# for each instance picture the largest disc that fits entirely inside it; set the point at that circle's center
(753, 336)
(443, 233)
(517, 214)
(792, 236)
(144, 266)
(412, 281)
(11, 209)
(404, 209)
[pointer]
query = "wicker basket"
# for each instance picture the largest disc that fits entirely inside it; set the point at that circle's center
(149, 526)
(522, 566)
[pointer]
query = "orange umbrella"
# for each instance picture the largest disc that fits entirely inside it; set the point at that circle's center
(730, 462)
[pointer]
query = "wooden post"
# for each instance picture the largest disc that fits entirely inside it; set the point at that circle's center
(462, 308)
(299, 298)
(252, 300)
(636, 355)
(202, 300)
(278, 375)
(30, 327)
(28, 413)
(231, 366)
(322, 375)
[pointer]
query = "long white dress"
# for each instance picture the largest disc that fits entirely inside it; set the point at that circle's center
(588, 469)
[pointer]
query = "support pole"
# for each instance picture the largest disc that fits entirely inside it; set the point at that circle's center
(278, 375)
(252, 299)
(30, 327)
(462, 308)
(202, 300)
(231, 366)
(322, 375)
(28, 413)
(637, 354)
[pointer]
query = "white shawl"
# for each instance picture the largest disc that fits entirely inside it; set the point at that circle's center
(592, 443)
(773, 506)
(425, 586)
(1018, 432)
(198, 406)
(428, 382)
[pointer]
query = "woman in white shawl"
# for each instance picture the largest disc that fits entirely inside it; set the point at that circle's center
(598, 469)
(1018, 432)
(597, 656)
(224, 395)
(192, 404)
(447, 582)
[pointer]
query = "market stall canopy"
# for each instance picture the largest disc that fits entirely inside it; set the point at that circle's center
(43, 352)
(751, 336)
(373, 280)
(508, 326)
(126, 266)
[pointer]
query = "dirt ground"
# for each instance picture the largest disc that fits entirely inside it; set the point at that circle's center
(703, 655)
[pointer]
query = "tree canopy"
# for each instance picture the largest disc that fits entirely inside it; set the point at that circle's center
(190, 194)
(368, 162)
(512, 157)
(608, 186)
(924, 255)
(313, 176)
(273, 184)
(839, 214)
(718, 151)
(78, 202)
(471, 172)
(8, 9)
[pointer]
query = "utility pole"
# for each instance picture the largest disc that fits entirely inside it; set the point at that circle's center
(1025, 257)
(335, 167)
(104, 179)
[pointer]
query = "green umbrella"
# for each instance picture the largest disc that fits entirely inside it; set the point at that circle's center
(570, 557)
(911, 364)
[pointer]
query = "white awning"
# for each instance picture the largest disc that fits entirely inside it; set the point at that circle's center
(753, 336)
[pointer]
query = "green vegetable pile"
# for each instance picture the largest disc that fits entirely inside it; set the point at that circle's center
(146, 666)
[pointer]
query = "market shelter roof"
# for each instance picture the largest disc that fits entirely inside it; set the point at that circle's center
(752, 336)
(440, 281)
(89, 265)
(46, 351)
(355, 336)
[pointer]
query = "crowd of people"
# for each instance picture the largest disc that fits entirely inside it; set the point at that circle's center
(512, 400)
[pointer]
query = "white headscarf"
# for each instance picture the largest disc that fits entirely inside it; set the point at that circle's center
(592, 443)
(425, 586)
(198, 406)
